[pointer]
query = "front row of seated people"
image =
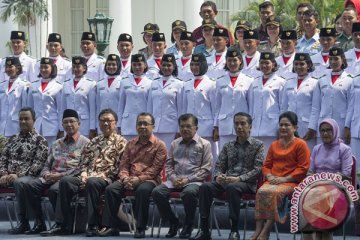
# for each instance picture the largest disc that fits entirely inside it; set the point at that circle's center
(110, 165)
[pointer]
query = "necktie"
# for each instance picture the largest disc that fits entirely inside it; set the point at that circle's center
(233, 80)
(164, 82)
(44, 85)
(299, 82)
(248, 60)
(124, 62)
(76, 83)
(264, 80)
(197, 82)
(10, 84)
(184, 61)
(138, 80)
(357, 54)
(334, 78)
(217, 58)
(286, 59)
(110, 81)
(325, 58)
(157, 60)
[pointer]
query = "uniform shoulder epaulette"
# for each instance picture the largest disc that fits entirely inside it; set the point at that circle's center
(320, 77)
(220, 77)
(353, 76)
(89, 79)
(156, 78)
(37, 80)
(125, 77)
(212, 79)
(178, 79)
(31, 57)
(263, 42)
(258, 77)
(101, 79)
(66, 80)
(38, 60)
(66, 59)
(3, 81)
(281, 77)
(100, 57)
(248, 75)
(57, 81)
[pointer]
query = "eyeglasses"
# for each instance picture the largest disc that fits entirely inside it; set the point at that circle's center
(139, 124)
(186, 126)
(106, 121)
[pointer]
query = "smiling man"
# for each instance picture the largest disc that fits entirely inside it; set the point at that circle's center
(185, 173)
(125, 46)
(236, 172)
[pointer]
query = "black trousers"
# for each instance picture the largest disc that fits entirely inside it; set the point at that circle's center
(94, 188)
(189, 195)
(34, 189)
(113, 194)
(20, 193)
(233, 190)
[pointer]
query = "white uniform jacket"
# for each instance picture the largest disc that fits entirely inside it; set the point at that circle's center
(82, 100)
(47, 106)
(28, 67)
(251, 68)
(125, 70)
(285, 69)
(11, 101)
(353, 114)
(183, 70)
(230, 100)
(133, 101)
(95, 67)
(153, 68)
(107, 97)
(264, 105)
(300, 101)
(351, 58)
(64, 69)
(165, 103)
(320, 66)
(332, 100)
(216, 69)
(202, 103)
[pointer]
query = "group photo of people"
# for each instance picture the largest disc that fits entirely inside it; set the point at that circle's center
(206, 113)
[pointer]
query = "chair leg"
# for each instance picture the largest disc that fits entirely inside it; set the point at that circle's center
(46, 212)
(75, 213)
(8, 213)
(153, 221)
(159, 228)
(276, 231)
(126, 205)
(245, 219)
(15, 210)
(216, 221)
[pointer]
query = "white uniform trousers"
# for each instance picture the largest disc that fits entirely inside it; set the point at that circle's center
(355, 148)
(311, 144)
(267, 142)
(167, 138)
(129, 137)
(50, 140)
(225, 139)
(215, 152)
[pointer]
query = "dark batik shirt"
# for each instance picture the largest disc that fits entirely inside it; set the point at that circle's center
(24, 155)
(241, 160)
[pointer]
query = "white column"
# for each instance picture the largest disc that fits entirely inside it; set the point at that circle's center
(191, 13)
(120, 10)
(39, 33)
(6, 28)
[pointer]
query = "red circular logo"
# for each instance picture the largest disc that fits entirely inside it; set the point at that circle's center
(325, 206)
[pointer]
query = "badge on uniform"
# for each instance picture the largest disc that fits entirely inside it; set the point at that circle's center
(169, 59)
(288, 34)
(19, 34)
(177, 22)
(301, 57)
(251, 33)
(8, 62)
(234, 53)
(113, 57)
(328, 31)
(47, 60)
(196, 58)
(267, 55)
(57, 36)
(77, 60)
(334, 52)
(90, 35)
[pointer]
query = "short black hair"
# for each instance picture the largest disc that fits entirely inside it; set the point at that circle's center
(28, 109)
(266, 4)
(244, 114)
(108, 110)
(209, 4)
(310, 12)
(306, 4)
(188, 116)
(144, 114)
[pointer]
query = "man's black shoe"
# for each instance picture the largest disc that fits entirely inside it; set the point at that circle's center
(186, 232)
(139, 233)
(92, 231)
(173, 229)
(106, 232)
(38, 228)
(202, 235)
(21, 228)
(234, 236)
(55, 230)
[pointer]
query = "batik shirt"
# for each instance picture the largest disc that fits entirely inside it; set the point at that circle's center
(101, 157)
(24, 155)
